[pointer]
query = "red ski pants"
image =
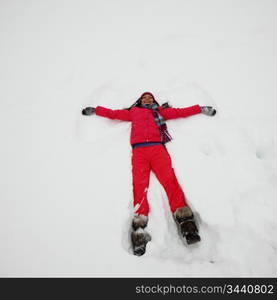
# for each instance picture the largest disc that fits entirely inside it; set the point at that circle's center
(157, 159)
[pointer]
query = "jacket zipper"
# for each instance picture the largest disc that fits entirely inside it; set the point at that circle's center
(147, 128)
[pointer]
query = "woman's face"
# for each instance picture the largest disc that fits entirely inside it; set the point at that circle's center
(147, 99)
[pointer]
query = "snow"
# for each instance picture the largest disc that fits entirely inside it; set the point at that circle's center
(66, 186)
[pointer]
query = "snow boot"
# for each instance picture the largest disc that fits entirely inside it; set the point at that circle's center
(139, 236)
(186, 224)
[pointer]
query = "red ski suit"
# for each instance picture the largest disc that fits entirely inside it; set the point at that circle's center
(155, 158)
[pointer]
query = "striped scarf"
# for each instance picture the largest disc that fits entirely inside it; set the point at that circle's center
(166, 137)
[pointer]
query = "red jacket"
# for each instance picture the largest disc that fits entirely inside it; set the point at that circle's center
(144, 127)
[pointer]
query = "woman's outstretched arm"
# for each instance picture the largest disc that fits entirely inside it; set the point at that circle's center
(174, 113)
(115, 114)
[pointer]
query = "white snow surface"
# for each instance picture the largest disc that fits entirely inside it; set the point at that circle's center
(66, 184)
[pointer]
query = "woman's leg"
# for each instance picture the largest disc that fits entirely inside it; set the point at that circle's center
(162, 167)
(141, 174)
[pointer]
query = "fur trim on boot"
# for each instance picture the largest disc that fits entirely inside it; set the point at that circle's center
(182, 213)
(139, 221)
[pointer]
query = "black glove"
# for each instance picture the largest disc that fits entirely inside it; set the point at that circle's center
(88, 111)
(208, 110)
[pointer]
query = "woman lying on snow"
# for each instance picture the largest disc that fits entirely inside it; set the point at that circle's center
(148, 138)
